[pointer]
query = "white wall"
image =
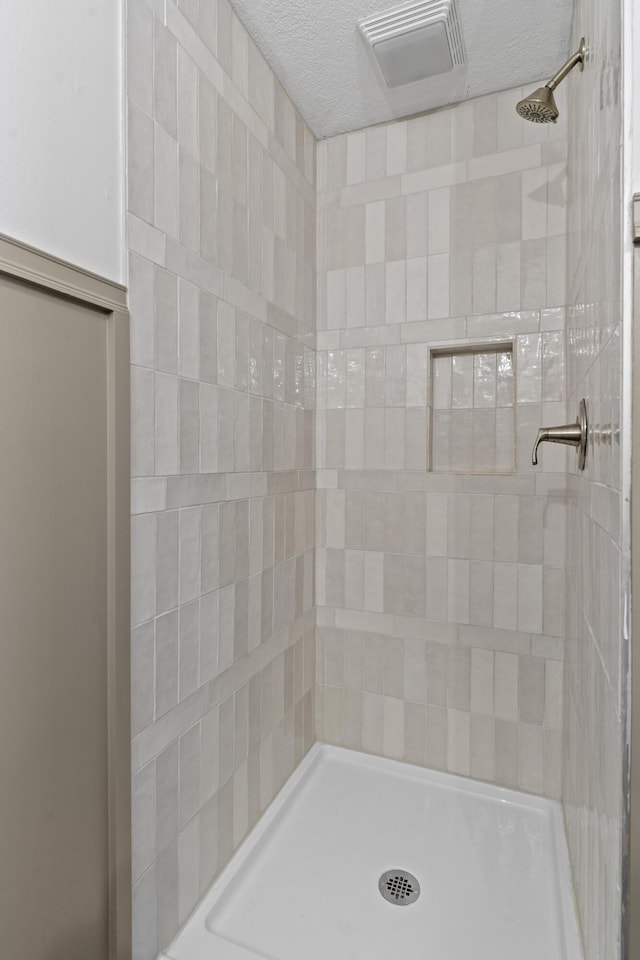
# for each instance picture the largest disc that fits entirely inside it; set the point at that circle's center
(61, 187)
(631, 85)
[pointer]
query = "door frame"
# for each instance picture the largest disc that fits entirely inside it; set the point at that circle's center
(631, 879)
(49, 273)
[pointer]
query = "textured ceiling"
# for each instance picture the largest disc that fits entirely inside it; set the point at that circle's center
(316, 50)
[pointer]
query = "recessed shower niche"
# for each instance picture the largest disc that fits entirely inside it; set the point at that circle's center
(471, 409)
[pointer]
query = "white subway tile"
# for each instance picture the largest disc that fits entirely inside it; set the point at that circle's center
(166, 424)
(396, 148)
(534, 203)
(438, 221)
(530, 598)
(458, 742)
(509, 161)
(435, 178)
(506, 686)
(438, 286)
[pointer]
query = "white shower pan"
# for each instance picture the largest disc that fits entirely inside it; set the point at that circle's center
(492, 867)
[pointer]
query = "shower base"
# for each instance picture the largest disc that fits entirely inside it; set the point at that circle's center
(491, 866)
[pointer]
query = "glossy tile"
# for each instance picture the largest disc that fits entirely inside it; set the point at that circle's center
(222, 283)
(432, 360)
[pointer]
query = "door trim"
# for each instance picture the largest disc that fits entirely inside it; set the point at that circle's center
(631, 884)
(36, 268)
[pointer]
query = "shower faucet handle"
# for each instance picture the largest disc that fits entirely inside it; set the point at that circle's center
(574, 434)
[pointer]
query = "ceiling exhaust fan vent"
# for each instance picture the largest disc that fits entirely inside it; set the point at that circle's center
(414, 41)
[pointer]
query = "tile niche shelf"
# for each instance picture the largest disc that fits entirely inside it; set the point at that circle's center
(472, 409)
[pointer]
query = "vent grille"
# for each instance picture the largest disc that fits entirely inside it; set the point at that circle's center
(415, 16)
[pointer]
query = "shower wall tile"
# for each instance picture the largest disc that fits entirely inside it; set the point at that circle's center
(593, 788)
(441, 625)
(476, 690)
(222, 239)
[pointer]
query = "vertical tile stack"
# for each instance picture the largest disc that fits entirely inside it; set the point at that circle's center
(222, 234)
(596, 654)
(441, 591)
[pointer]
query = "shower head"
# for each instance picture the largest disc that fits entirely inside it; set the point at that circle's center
(540, 106)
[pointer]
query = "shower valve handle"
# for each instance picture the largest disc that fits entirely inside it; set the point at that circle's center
(574, 434)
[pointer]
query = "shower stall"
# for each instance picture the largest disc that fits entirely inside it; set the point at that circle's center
(379, 657)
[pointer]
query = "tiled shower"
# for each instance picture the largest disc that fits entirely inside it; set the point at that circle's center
(342, 352)
(441, 321)
(222, 278)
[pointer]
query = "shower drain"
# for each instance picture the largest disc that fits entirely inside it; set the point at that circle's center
(399, 887)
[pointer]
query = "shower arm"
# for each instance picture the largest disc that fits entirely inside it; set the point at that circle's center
(577, 58)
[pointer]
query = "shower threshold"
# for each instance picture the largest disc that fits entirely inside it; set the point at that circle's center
(491, 866)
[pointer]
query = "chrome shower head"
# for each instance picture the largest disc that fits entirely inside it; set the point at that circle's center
(540, 106)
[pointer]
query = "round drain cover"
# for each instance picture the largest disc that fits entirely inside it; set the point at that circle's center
(399, 887)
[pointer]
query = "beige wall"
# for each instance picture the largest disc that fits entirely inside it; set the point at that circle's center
(594, 682)
(221, 181)
(441, 601)
(64, 594)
